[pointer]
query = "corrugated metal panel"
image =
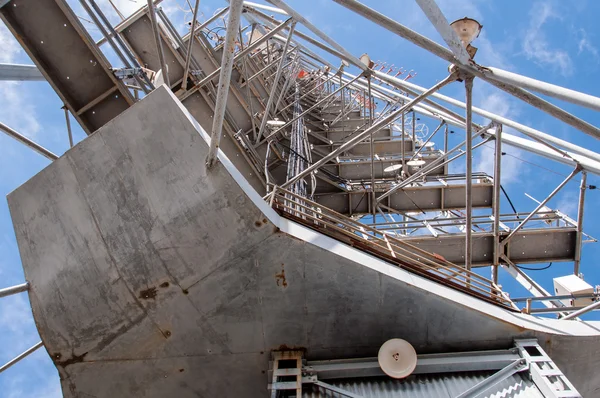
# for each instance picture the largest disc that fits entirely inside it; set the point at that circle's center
(430, 386)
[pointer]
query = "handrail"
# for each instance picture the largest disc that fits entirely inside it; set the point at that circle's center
(385, 246)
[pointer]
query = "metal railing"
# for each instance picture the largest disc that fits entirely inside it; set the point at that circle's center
(384, 246)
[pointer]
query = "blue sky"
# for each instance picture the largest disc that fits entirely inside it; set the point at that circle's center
(549, 40)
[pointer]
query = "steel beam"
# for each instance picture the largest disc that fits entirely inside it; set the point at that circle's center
(355, 138)
(469, 173)
(426, 364)
(20, 356)
(233, 22)
(552, 90)
(26, 141)
(8, 291)
(496, 202)
(14, 72)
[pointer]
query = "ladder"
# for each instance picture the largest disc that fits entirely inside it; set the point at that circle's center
(287, 374)
(544, 372)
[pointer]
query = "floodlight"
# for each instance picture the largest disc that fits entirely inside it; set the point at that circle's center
(467, 29)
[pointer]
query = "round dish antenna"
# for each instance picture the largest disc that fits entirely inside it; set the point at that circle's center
(392, 168)
(397, 358)
(415, 163)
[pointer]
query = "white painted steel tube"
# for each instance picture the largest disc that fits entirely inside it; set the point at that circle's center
(233, 23)
(8, 291)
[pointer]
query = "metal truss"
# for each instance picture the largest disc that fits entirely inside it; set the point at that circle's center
(526, 356)
(343, 151)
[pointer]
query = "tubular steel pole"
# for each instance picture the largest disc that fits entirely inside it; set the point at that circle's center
(403, 154)
(446, 138)
(579, 238)
(582, 311)
(8, 291)
(188, 57)
(24, 140)
(235, 13)
(496, 203)
(19, 357)
(275, 85)
(469, 173)
(358, 137)
(159, 47)
(372, 149)
(68, 126)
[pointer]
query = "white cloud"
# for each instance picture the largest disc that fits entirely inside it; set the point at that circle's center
(512, 167)
(535, 43)
(585, 45)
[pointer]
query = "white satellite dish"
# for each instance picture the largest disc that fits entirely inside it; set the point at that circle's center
(397, 358)
(415, 163)
(392, 168)
(159, 79)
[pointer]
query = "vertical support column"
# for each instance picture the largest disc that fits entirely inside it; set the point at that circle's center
(373, 201)
(159, 48)
(188, 56)
(402, 120)
(235, 13)
(496, 203)
(446, 139)
(579, 238)
(469, 171)
(414, 125)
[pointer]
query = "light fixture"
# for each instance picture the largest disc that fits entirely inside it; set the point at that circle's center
(467, 30)
(366, 60)
(275, 123)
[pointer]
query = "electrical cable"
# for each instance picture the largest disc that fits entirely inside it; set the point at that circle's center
(534, 269)
(509, 201)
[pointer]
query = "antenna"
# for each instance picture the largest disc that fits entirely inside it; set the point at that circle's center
(397, 358)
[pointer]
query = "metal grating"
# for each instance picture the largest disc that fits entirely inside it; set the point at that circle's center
(429, 386)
